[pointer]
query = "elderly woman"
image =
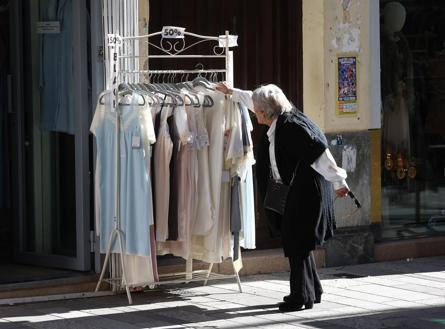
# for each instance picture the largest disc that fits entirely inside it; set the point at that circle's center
(296, 148)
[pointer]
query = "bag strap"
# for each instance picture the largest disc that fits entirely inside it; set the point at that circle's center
(295, 173)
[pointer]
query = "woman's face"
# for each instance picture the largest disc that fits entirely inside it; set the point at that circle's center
(260, 115)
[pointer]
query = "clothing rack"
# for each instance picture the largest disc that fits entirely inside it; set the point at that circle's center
(172, 46)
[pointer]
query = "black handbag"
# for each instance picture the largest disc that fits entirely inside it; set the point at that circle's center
(276, 194)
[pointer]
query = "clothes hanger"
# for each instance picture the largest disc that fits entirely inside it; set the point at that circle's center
(153, 97)
(171, 88)
(200, 80)
(160, 88)
(191, 94)
(125, 89)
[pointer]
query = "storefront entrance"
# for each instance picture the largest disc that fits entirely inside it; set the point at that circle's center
(413, 118)
(49, 120)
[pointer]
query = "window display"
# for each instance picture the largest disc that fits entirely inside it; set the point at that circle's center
(413, 117)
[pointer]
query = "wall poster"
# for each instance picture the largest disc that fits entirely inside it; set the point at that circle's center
(346, 80)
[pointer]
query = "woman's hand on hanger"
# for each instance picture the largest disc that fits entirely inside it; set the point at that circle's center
(224, 88)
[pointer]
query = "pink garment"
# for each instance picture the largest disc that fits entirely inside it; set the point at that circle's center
(162, 156)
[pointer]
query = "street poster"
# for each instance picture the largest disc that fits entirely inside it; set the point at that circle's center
(346, 85)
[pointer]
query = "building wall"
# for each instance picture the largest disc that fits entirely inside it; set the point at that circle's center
(330, 31)
(333, 28)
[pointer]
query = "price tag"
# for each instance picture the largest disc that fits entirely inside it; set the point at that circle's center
(136, 142)
(233, 41)
(225, 177)
(48, 27)
(173, 32)
(114, 40)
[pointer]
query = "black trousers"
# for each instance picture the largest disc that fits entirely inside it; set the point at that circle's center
(304, 281)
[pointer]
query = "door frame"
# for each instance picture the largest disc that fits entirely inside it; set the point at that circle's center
(82, 261)
(97, 86)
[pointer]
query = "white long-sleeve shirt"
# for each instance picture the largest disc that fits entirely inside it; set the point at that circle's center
(325, 165)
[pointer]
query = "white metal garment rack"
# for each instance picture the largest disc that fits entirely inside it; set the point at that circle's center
(172, 46)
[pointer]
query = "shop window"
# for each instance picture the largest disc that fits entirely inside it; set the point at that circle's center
(413, 117)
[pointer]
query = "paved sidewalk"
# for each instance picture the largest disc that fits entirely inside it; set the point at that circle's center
(403, 294)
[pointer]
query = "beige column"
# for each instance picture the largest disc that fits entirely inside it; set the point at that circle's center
(313, 61)
(333, 28)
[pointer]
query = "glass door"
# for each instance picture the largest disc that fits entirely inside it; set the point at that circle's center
(52, 116)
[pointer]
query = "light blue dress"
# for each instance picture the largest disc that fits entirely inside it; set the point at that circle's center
(56, 68)
(136, 209)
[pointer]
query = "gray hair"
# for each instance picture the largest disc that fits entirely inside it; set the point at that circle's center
(271, 100)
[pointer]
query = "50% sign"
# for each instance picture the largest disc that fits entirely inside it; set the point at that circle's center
(173, 32)
(114, 40)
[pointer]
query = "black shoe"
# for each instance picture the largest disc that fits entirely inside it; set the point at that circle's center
(292, 307)
(316, 301)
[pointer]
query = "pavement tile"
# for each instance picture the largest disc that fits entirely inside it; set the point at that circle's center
(159, 305)
(279, 325)
(234, 312)
(320, 314)
(185, 317)
(365, 322)
(423, 324)
(103, 311)
(224, 325)
(328, 304)
(208, 291)
(437, 301)
(385, 280)
(281, 317)
(269, 286)
(73, 315)
(342, 283)
(86, 323)
(422, 279)
(220, 305)
(278, 280)
(158, 324)
(325, 325)
(140, 317)
(340, 301)
(361, 296)
(254, 291)
(33, 318)
(10, 325)
(438, 276)
(404, 304)
(247, 300)
(54, 310)
(393, 293)
(432, 291)
(200, 299)
(18, 310)
(252, 321)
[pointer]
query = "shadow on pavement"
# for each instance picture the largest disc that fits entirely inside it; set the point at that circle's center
(161, 309)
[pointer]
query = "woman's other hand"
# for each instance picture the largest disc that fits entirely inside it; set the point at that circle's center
(342, 192)
(224, 88)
